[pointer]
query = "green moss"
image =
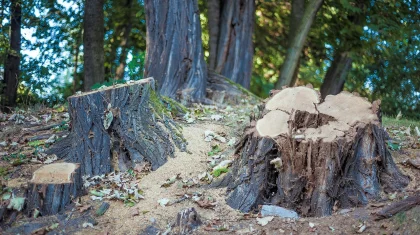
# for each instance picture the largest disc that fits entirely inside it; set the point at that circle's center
(157, 104)
(218, 172)
(166, 105)
(174, 107)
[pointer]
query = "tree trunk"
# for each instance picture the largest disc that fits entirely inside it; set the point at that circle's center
(93, 43)
(296, 14)
(119, 74)
(76, 78)
(336, 75)
(309, 156)
(118, 127)
(53, 187)
(213, 24)
(11, 68)
(174, 49)
(234, 45)
(294, 50)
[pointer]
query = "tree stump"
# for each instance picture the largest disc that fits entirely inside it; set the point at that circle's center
(307, 155)
(53, 187)
(116, 127)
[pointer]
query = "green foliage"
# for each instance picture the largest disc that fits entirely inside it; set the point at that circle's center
(215, 149)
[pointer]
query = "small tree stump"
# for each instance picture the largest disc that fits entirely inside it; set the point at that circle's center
(53, 187)
(307, 155)
(117, 127)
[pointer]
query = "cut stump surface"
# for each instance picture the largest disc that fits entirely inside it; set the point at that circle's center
(307, 155)
(53, 187)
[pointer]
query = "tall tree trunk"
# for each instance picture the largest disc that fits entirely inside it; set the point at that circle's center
(234, 45)
(76, 78)
(11, 68)
(174, 49)
(294, 50)
(213, 25)
(119, 74)
(93, 42)
(336, 74)
(296, 14)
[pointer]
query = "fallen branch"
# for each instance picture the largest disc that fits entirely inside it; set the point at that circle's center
(397, 207)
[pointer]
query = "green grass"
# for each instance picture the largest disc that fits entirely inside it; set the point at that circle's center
(391, 121)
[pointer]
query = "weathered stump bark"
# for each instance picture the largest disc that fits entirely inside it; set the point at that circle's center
(117, 127)
(308, 155)
(53, 187)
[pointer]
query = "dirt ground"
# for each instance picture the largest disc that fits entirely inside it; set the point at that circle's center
(218, 218)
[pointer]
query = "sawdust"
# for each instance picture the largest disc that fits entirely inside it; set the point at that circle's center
(119, 219)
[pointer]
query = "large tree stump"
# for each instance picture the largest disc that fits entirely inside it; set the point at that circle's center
(308, 155)
(117, 127)
(53, 187)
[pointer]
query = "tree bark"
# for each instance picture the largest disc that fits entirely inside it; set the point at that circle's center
(53, 187)
(76, 78)
(309, 156)
(296, 14)
(115, 128)
(235, 50)
(119, 74)
(213, 24)
(174, 49)
(295, 49)
(93, 43)
(12, 64)
(336, 74)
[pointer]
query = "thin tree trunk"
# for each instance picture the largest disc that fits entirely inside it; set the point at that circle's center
(12, 64)
(336, 75)
(235, 49)
(93, 39)
(174, 49)
(296, 14)
(213, 24)
(119, 74)
(76, 78)
(294, 50)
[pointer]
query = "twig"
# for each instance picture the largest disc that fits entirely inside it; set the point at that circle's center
(397, 207)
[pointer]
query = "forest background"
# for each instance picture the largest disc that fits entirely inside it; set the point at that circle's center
(369, 47)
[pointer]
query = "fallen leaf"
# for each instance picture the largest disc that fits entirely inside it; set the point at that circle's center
(163, 202)
(85, 225)
(264, 221)
(84, 208)
(16, 203)
(206, 204)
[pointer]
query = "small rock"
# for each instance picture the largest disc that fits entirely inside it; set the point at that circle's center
(311, 225)
(3, 144)
(362, 228)
(268, 210)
